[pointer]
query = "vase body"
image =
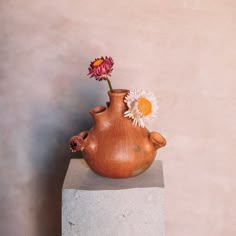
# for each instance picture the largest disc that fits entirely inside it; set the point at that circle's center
(114, 147)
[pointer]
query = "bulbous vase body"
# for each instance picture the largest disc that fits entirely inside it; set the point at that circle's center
(114, 147)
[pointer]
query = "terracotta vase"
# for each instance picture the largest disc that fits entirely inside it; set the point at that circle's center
(114, 147)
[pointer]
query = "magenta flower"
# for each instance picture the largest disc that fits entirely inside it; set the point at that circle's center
(101, 68)
(76, 143)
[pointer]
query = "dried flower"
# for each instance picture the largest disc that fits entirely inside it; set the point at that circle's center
(142, 107)
(101, 69)
(76, 143)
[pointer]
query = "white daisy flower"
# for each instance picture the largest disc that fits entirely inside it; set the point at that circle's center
(142, 107)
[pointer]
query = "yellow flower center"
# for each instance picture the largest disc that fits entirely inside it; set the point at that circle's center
(98, 62)
(144, 106)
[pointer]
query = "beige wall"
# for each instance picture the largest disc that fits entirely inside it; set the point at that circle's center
(183, 50)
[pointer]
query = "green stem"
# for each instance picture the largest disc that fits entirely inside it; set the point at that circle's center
(109, 83)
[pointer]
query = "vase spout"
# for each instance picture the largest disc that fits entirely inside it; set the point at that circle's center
(77, 142)
(157, 140)
(100, 116)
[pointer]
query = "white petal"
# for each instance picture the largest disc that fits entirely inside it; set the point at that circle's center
(133, 112)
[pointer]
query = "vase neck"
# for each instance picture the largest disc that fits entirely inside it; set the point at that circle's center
(117, 104)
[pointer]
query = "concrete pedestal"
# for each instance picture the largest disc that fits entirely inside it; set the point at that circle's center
(97, 206)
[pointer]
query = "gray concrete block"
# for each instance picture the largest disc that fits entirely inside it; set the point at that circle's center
(97, 206)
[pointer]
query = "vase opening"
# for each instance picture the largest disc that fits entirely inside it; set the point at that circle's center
(119, 91)
(98, 109)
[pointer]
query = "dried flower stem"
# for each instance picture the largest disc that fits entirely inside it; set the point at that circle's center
(109, 84)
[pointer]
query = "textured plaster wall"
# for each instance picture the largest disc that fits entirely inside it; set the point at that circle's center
(183, 50)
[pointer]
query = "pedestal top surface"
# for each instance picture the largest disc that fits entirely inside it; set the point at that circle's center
(80, 176)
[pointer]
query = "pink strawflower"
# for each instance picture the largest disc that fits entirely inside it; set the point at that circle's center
(101, 68)
(76, 143)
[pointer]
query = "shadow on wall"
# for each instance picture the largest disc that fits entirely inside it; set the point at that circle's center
(52, 127)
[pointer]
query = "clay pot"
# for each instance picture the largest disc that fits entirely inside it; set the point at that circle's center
(114, 147)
